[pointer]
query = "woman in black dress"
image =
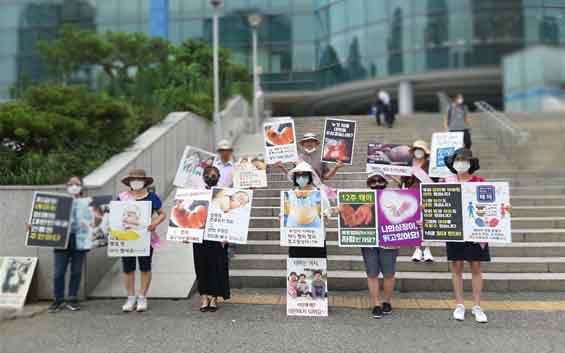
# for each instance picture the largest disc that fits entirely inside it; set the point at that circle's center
(211, 261)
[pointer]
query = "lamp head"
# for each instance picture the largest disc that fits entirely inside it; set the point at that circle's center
(255, 20)
(215, 3)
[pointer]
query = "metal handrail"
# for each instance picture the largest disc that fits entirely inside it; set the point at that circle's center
(444, 101)
(503, 121)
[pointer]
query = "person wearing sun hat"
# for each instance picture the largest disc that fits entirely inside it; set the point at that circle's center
(420, 153)
(225, 163)
(137, 181)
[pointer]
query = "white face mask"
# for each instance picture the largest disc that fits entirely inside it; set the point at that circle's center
(74, 189)
(419, 154)
(137, 185)
(302, 181)
(461, 166)
(310, 150)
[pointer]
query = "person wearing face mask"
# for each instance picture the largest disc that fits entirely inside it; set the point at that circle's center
(69, 256)
(137, 181)
(457, 119)
(463, 166)
(225, 164)
(211, 261)
(420, 160)
(379, 261)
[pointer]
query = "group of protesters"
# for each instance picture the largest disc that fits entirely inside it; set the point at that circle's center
(211, 259)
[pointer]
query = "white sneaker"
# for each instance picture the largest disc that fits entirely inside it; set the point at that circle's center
(428, 257)
(479, 314)
(417, 256)
(459, 312)
(141, 304)
(129, 306)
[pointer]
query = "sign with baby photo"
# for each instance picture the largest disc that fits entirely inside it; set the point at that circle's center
(357, 222)
(486, 216)
(398, 214)
(50, 220)
(229, 215)
(339, 141)
(191, 168)
(93, 221)
(250, 173)
(129, 235)
(16, 274)
(307, 287)
(188, 215)
(389, 159)
(302, 221)
(443, 145)
(280, 141)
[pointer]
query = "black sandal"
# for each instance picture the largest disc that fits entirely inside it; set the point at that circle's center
(204, 307)
(213, 307)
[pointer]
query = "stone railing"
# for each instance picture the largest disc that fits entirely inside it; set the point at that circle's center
(237, 119)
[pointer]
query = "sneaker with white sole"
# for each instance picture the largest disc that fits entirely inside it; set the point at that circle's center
(417, 256)
(459, 312)
(428, 257)
(141, 304)
(129, 306)
(479, 315)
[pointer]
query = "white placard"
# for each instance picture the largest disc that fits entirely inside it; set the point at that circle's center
(443, 145)
(188, 216)
(129, 235)
(280, 141)
(307, 287)
(229, 215)
(302, 222)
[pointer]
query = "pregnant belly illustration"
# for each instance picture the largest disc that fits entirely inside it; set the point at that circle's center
(285, 137)
(124, 235)
(303, 215)
(184, 218)
(398, 207)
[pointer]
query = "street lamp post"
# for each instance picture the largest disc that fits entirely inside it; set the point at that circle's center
(215, 29)
(255, 21)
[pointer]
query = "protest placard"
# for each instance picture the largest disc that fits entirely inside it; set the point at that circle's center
(307, 287)
(129, 235)
(389, 159)
(441, 215)
(485, 212)
(357, 221)
(50, 220)
(191, 168)
(443, 145)
(16, 274)
(188, 215)
(398, 214)
(280, 141)
(93, 221)
(250, 173)
(339, 141)
(302, 218)
(229, 215)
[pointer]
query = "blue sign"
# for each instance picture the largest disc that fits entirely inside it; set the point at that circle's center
(486, 193)
(442, 153)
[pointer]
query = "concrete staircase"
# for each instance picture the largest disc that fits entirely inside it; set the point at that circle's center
(535, 261)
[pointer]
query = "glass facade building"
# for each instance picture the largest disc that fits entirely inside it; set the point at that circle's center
(304, 45)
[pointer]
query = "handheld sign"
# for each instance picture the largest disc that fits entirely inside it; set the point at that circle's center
(280, 141)
(50, 220)
(339, 141)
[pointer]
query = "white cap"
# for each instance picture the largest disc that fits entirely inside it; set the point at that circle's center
(224, 145)
(301, 167)
(375, 173)
(310, 136)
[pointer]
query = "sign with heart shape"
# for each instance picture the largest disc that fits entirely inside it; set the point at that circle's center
(398, 214)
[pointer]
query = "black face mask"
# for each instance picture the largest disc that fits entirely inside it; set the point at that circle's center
(211, 180)
(377, 186)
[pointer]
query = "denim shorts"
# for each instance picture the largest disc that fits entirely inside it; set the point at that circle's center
(129, 263)
(378, 260)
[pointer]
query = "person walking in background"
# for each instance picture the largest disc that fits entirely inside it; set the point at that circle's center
(137, 181)
(457, 119)
(225, 163)
(211, 261)
(384, 107)
(420, 152)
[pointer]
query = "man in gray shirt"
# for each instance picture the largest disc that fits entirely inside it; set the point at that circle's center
(457, 119)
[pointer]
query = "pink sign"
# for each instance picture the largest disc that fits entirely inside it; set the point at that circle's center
(398, 213)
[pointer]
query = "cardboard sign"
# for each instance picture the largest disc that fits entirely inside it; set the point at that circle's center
(280, 141)
(93, 216)
(250, 173)
(229, 215)
(16, 274)
(339, 141)
(357, 221)
(191, 168)
(441, 215)
(307, 287)
(188, 216)
(398, 214)
(50, 220)
(302, 222)
(129, 235)
(389, 159)
(443, 145)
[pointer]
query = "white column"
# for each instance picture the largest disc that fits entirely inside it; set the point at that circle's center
(405, 98)
(216, 68)
(256, 127)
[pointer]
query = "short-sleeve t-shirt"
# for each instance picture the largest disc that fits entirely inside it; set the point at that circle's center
(456, 117)
(315, 161)
(155, 201)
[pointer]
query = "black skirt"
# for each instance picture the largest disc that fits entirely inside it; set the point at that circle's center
(212, 269)
(467, 251)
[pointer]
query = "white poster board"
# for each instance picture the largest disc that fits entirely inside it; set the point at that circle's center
(191, 168)
(94, 222)
(443, 145)
(229, 215)
(250, 173)
(307, 287)
(129, 235)
(188, 216)
(16, 274)
(302, 222)
(280, 141)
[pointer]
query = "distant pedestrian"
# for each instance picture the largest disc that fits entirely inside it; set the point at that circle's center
(384, 107)
(457, 119)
